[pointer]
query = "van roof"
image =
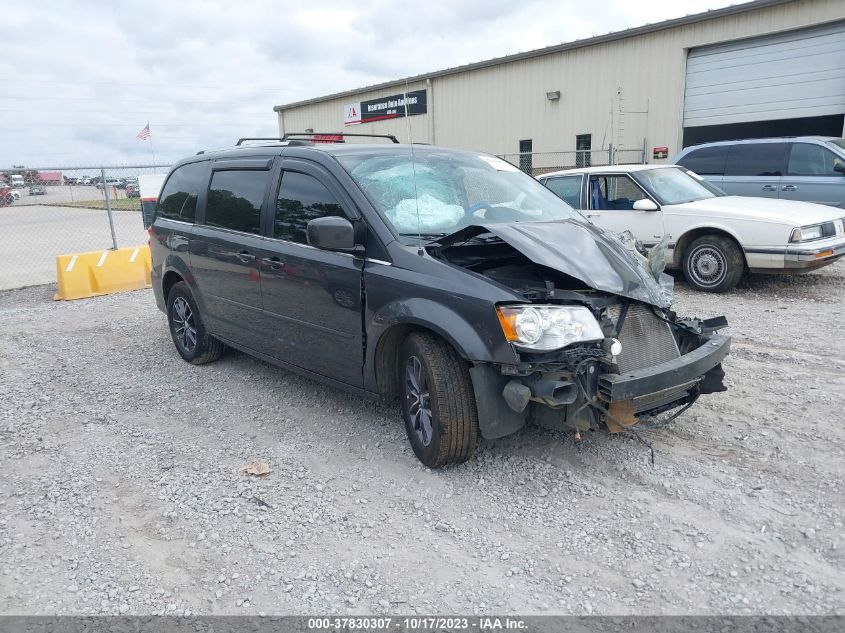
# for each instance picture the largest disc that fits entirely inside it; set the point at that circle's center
(771, 139)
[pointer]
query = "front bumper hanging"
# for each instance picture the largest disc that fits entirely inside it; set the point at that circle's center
(667, 377)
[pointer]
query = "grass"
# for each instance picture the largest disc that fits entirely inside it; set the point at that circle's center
(119, 204)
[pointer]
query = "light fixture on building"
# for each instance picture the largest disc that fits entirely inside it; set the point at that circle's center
(309, 130)
(553, 95)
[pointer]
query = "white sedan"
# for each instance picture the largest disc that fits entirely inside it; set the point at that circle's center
(713, 237)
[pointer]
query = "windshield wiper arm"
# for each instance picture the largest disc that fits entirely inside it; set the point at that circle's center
(428, 236)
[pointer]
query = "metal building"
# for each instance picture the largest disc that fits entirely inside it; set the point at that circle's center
(762, 68)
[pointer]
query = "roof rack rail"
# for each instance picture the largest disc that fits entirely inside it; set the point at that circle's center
(259, 138)
(287, 135)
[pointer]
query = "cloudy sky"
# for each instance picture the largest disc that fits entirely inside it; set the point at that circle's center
(78, 80)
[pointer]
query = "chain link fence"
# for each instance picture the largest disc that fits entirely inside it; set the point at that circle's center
(539, 163)
(50, 211)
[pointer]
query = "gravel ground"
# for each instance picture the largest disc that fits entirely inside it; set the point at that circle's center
(121, 490)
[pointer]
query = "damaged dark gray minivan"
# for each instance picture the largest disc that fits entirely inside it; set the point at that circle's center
(447, 279)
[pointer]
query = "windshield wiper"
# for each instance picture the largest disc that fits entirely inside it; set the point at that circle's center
(427, 236)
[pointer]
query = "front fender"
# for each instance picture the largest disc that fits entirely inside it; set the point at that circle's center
(682, 236)
(476, 335)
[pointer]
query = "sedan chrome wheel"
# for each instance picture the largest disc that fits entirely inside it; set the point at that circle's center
(707, 266)
(419, 399)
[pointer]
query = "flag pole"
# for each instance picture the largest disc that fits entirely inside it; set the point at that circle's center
(152, 150)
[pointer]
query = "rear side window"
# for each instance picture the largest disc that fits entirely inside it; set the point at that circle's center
(807, 159)
(234, 199)
(301, 199)
(178, 199)
(567, 188)
(707, 161)
(756, 159)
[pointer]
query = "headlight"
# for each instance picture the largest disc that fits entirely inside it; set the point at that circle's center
(813, 232)
(548, 327)
(806, 233)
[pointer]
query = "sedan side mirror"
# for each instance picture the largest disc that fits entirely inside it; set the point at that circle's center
(645, 204)
(331, 233)
(839, 166)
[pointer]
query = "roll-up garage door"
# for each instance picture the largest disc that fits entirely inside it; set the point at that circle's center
(798, 74)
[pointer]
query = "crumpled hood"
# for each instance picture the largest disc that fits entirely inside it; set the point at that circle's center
(596, 257)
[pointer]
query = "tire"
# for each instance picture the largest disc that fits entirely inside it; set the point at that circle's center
(183, 317)
(713, 263)
(428, 365)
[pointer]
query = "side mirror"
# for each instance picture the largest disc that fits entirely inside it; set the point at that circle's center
(839, 166)
(331, 233)
(646, 204)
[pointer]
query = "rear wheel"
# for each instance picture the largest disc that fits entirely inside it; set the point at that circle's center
(193, 343)
(438, 402)
(713, 263)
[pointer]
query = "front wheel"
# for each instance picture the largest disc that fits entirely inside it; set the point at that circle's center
(438, 402)
(713, 263)
(193, 343)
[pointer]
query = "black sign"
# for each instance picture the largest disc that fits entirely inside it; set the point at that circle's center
(393, 107)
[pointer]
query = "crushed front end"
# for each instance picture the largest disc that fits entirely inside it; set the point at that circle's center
(649, 363)
(596, 341)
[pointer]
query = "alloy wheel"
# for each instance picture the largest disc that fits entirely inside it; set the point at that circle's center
(419, 399)
(344, 298)
(184, 326)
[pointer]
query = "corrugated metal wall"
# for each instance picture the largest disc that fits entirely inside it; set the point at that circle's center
(328, 116)
(784, 76)
(620, 92)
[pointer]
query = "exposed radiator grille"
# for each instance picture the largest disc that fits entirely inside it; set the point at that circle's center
(646, 340)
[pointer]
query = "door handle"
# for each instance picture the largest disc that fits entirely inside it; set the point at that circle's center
(769, 187)
(273, 263)
(789, 188)
(246, 257)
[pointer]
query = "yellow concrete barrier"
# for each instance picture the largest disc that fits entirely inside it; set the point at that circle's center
(102, 272)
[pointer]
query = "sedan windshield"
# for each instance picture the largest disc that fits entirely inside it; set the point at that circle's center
(438, 193)
(838, 142)
(672, 185)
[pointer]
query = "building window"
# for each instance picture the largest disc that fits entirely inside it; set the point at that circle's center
(583, 145)
(526, 164)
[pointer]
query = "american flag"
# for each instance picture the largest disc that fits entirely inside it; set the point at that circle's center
(145, 133)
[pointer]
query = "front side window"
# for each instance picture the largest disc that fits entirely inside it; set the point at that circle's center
(807, 159)
(439, 192)
(178, 199)
(234, 199)
(707, 161)
(567, 188)
(756, 159)
(614, 193)
(301, 199)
